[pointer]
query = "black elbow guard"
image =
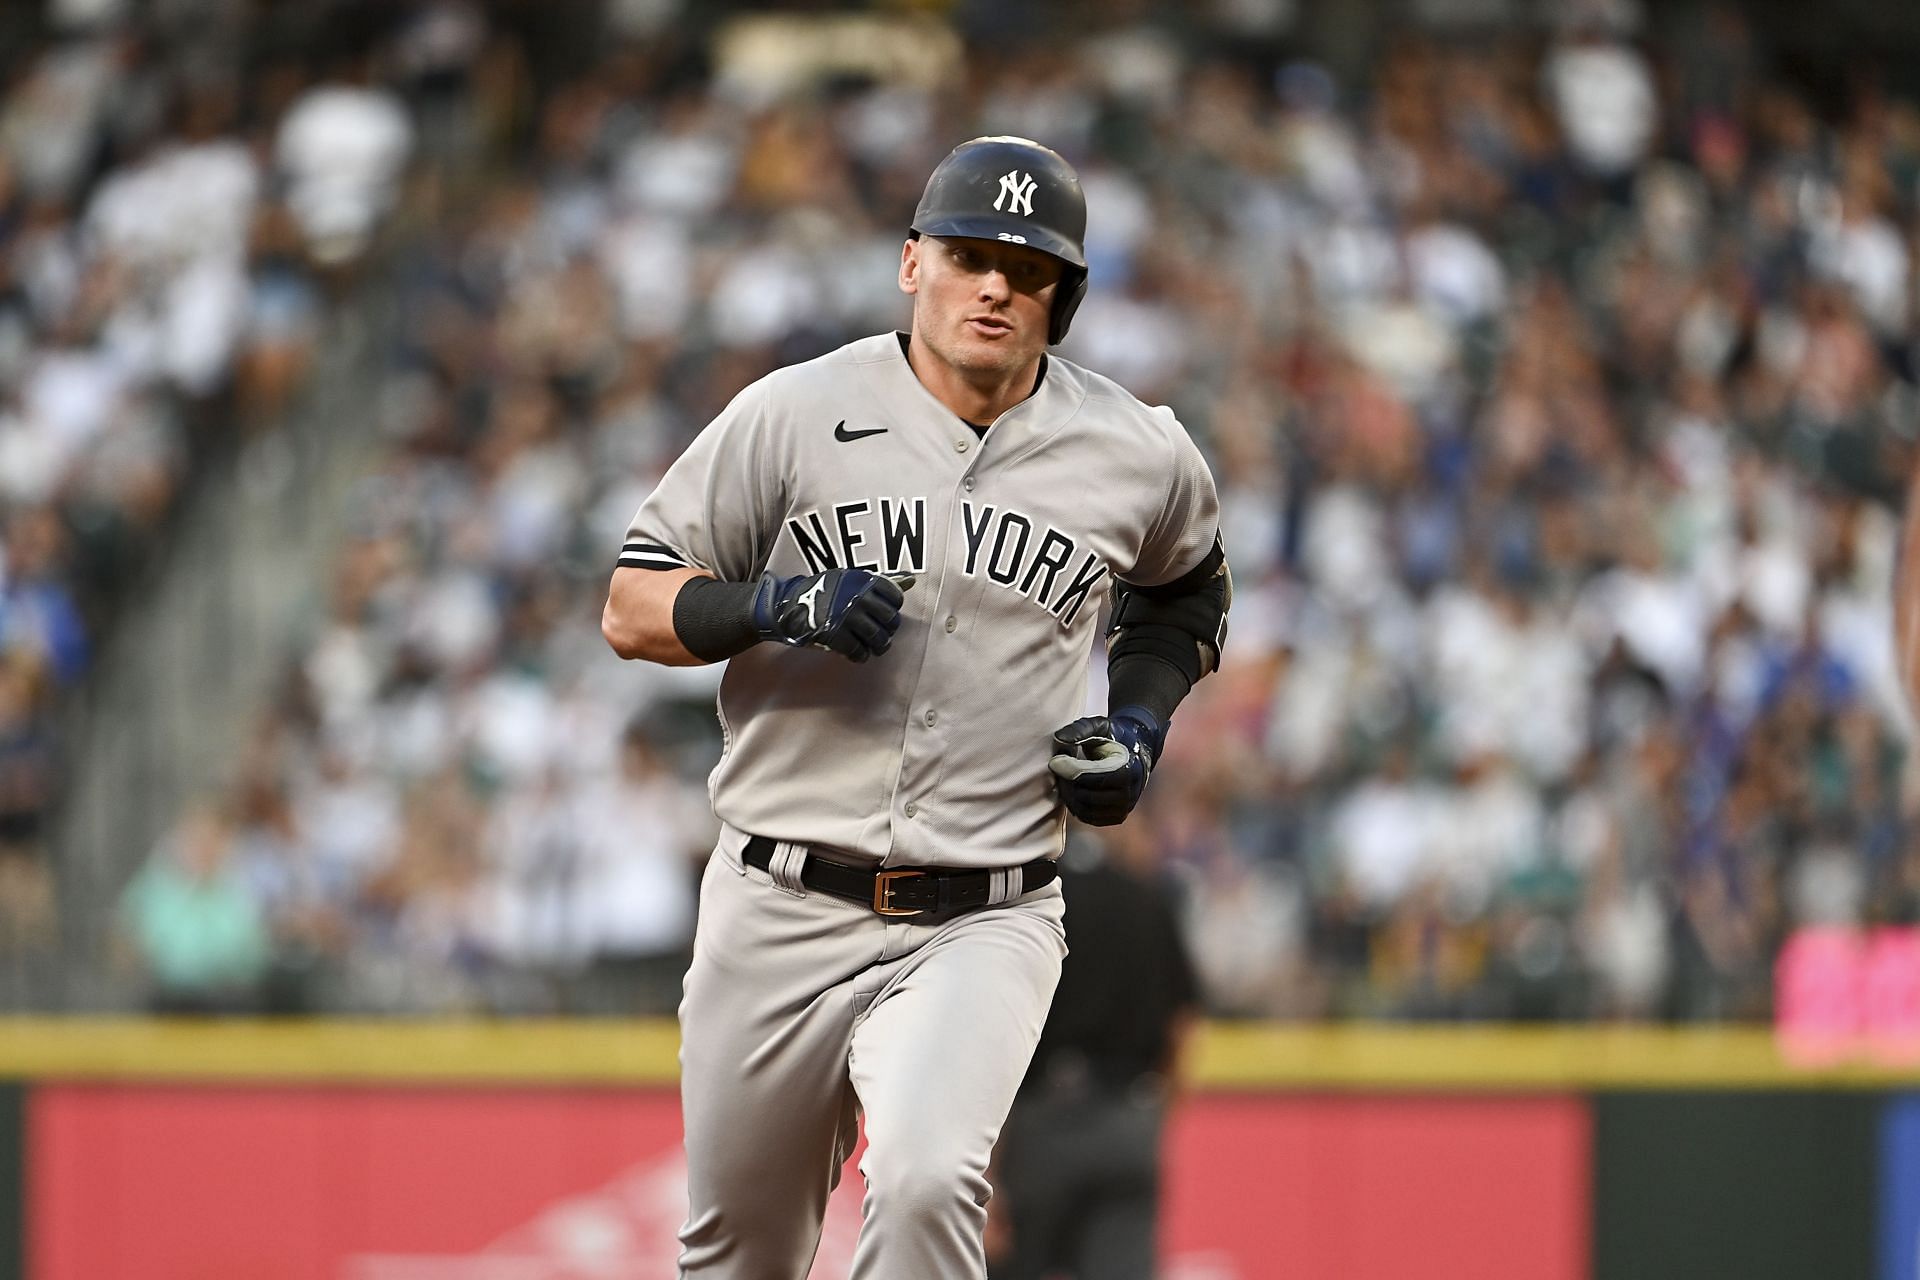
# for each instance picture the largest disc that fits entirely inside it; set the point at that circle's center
(1183, 622)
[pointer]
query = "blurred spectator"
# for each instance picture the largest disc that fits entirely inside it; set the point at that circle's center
(26, 757)
(27, 778)
(644, 836)
(1603, 90)
(194, 928)
(341, 149)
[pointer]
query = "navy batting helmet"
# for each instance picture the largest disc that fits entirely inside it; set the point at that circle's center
(1015, 190)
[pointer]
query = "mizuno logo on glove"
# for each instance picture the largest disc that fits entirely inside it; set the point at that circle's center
(810, 597)
(851, 612)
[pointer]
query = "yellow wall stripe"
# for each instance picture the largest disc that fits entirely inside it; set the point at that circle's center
(1228, 1056)
(341, 1052)
(1265, 1056)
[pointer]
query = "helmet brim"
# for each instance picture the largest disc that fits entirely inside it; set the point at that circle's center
(1010, 230)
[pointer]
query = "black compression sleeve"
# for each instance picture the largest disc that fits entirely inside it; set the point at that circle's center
(1144, 680)
(714, 619)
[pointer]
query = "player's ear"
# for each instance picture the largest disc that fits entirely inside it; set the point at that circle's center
(910, 265)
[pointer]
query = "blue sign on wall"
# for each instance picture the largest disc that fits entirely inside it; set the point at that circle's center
(1900, 1189)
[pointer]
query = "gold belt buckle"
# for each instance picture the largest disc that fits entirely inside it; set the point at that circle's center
(883, 891)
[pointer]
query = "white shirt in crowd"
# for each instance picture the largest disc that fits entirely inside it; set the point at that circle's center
(342, 149)
(1604, 96)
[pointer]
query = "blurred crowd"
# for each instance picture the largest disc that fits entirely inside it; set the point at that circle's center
(1560, 379)
(163, 267)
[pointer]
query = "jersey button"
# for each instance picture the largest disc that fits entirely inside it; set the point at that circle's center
(952, 622)
(931, 717)
(967, 484)
(908, 809)
(959, 446)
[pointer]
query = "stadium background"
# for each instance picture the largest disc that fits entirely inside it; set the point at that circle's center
(1559, 364)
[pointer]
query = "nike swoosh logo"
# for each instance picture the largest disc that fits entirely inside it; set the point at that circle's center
(843, 435)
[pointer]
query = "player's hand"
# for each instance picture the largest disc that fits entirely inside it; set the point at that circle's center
(1101, 764)
(853, 612)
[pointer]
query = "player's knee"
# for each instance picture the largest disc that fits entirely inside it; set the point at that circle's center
(751, 1242)
(926, 1186)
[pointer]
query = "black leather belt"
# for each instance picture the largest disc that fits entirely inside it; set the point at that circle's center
(903, 891)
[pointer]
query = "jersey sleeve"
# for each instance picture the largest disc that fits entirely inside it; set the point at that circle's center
(717, 508)
(1188, 523)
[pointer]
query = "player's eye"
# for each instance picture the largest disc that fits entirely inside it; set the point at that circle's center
(1035, 276)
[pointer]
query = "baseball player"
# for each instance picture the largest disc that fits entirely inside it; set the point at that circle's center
(902, 548)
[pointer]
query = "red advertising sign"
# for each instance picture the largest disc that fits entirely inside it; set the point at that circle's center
(185, 1183)
(1379, 1188)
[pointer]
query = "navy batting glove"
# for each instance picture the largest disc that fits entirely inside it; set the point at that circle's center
(852, 612)
(1101, 764)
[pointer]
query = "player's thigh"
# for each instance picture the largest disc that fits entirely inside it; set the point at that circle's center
(764, 1030)
(937, 1058)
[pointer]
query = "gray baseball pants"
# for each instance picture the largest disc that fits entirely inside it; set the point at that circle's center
(800, 1013)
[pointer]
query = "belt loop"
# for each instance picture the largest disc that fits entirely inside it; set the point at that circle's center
(785, 867)
(1004, 886)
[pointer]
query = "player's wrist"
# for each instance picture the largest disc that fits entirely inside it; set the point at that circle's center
(769, 601)
(1147, 685)
(1140, 727)
(714, 620)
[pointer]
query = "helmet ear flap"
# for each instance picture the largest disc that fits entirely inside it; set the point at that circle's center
(1067, 296)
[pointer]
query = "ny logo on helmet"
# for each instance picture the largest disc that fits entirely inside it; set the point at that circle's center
(1017, 189)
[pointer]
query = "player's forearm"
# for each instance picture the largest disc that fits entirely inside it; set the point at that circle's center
(638, 620)
(1144, 680)
(1165, 639)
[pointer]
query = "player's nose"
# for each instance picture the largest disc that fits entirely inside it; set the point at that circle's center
(994, 285)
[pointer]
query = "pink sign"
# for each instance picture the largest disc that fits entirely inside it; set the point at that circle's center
(1817, 990)
(1892, 997)
(1845, 994)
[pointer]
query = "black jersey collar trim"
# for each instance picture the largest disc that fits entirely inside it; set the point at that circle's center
(978, 428)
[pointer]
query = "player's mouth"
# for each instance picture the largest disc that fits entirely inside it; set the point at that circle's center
(989, 326)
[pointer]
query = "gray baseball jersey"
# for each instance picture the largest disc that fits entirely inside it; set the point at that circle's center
(934, 753)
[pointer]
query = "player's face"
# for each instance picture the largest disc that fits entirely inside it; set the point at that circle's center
(980, 305)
